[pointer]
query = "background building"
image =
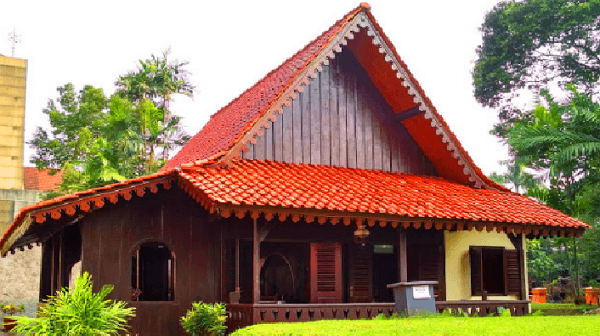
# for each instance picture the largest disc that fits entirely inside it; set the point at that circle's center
(13, 73)
(19, 186)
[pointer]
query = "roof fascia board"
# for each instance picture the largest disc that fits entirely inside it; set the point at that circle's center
(429, 112)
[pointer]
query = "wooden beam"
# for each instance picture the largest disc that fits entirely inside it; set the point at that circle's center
(411, 112)
(255, 264)
(402, 259)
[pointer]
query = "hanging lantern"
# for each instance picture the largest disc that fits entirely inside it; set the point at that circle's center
(361, 235)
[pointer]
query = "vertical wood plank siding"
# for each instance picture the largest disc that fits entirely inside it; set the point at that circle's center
(341, 119)
(111, 235)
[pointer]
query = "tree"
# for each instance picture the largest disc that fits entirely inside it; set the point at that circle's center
(529, 44)
(157, 80)
(516, 177)
(563, 142)
(96, 140)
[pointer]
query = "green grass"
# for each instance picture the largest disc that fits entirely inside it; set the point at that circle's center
(536, 306)
(512, 326)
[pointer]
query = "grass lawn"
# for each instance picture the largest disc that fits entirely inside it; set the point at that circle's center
(535, 306)
(526, 325)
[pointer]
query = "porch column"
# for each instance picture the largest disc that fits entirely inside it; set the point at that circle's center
(402, 264)
(255, 264)
(237, 265)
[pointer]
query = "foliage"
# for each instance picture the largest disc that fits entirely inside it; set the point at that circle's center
(78, 311)
(97, 140)
(205, 319)
(534, 44)
(516, 177)
(526, 325)
(544, 262)
(156, 81)
(11, 309)
(562, 143)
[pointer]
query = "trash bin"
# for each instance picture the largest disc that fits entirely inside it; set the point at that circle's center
(539, 295)
(414, 297)
(591, 296)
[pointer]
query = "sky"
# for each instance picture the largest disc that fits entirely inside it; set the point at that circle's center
(230, 45)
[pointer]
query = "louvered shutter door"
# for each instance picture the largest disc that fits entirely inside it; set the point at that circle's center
(361, 277)
(325, 273)
(431, 267)
(475, 254)
(512, 272)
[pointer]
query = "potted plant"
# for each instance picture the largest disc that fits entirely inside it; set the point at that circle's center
(10, 309)
(205, 319)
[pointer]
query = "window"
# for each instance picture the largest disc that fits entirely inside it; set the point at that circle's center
(152, 267)
(495, 270)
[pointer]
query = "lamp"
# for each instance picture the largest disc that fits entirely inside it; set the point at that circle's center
(361, 234)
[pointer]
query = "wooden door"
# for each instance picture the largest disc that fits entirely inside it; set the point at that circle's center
(360, 273)
(325, 273)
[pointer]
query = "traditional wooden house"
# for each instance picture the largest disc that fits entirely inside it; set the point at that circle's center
(330, 178)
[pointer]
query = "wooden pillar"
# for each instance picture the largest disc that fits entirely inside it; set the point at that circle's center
(237, 265)
(402, 263)
(255, 264)
(524, 294)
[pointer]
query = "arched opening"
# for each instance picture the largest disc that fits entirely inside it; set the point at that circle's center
(276, 278)
(153, 267)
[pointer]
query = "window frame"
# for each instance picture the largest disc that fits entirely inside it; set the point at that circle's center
(510, 259)
(168, 272)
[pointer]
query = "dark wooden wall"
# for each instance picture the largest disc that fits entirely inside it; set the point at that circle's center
(110, 236)
(341, 119)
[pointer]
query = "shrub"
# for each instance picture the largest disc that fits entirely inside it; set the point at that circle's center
(205, 319)
(78, 311)
(10, 309)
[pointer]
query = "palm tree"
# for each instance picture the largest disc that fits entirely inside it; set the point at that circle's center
(156, 80)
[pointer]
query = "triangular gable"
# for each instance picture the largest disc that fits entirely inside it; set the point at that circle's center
(341, 119)
(245, 119)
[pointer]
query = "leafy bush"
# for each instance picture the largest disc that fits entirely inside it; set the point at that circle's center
(10, 309)
(78, 311)
(205, 319)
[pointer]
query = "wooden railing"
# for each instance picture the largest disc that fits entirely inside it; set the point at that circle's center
(242, 315)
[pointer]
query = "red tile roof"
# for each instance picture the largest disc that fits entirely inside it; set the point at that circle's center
(227, 125)
(303, 186)
(83, 201)
(35, 179)
(253, 185)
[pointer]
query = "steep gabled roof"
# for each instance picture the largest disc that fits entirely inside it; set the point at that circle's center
(231, 128)
(209, 170)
